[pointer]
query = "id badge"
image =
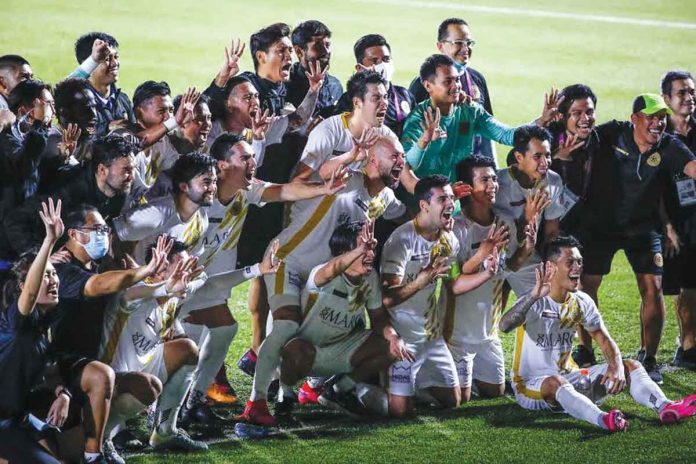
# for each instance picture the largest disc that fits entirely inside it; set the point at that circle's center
(686, 191)
(568, 200)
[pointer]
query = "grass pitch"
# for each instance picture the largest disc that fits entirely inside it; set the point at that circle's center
(523, 48)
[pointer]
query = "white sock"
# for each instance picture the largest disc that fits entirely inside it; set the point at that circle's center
(316, 382)
(286, 391)
(269, 356)
(344, 384)
(91, 457)
(172, 398)
(123, 407)
(645, 391)
(212, 353)
(196, 332)
(578, 405)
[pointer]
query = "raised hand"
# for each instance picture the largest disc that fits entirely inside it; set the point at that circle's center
(69, 140)
(260, 124)
(50, 215)
(366, 239)
(184, 113)
(270, 263)
(337, 182)
(498, 236)
(435, 269)
(100, 50)
(230, 66)
(544, 274)
(177, 283)
(492, 262)
(530, 233)
(159, 255)
(550, 111)
(128, 262)
(39, 113)
(536, 202)
(569, 145)
(315, 75)
(431, 128)
(362, 145)
(461, 190)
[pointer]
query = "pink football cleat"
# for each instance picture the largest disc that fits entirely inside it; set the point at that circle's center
(677, 411)
(615, 421)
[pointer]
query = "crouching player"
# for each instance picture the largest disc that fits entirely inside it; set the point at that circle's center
(333, 338)
(543, 372)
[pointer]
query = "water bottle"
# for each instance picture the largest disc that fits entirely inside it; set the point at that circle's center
(584, 384)
(248, 431)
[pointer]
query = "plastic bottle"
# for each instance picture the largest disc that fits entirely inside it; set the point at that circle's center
(248, 431)
(584, 384)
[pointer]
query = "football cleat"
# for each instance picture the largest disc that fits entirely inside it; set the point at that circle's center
(687, 359)
(201, 413)
(110, 454)
(256, 412)
(247, 363)
(284, 408)
(653, 370)
(347, 403)
(677, 411)
(615, 421)
(179, 440)
(309, 395)
(221, 394)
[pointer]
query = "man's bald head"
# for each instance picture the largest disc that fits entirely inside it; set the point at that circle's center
(386, 160)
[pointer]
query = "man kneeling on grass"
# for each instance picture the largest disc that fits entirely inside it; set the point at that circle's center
(332, 338)
(543, 374)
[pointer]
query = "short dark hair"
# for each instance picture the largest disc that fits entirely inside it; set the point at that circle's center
(218, 105)
(202, 99)
(345, 237)
(66, 89)
(357, 84)
(149, 90)
(109, 148)
(220, 149)
(671, 76)
(177, 247)
(303, 32)
(262, 39)
(188, 166)
(575, 92)
(465, 168)
(552, 247)
(424, 186)
(25, 92)
(444, 25)
(83, 45)
(428, 69)
(12, 61)
(367, 41)
(524, 134)
(76, 216)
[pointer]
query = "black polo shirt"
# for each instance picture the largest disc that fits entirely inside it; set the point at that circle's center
(78, 328)
(683, 217)
(576, 172)
(628, 184)
(116, 107)
(401, 102)
(329, 94)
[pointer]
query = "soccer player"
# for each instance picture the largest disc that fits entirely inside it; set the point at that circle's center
(543, 374)
(528, 189)
(414, 260)
(100, 66)
(471, 330)
(455, 40)
(680, 246)
(237, 189)
(304, 245)
(333, 338)
(311, 41)
(13, 70)
(372, 52)
(632, 161)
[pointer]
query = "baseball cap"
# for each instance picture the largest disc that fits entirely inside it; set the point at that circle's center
(650, 103)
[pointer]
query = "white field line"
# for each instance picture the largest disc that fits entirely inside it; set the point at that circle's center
(500, 10)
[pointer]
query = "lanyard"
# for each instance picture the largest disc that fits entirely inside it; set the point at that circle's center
(397, 108)
(469, 84)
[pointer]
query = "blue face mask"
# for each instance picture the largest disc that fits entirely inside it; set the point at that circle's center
(98, 245)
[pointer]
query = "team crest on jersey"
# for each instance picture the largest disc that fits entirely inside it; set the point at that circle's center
(376, 207)
(657, 259)
(236, 207)
(654, 160)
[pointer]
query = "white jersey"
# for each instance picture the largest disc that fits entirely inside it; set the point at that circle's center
(224, 227)
(331, 138)
(146, 222)
(155, 159)
(511, 196)
(132, 331)
(305, 242)
(335, 311)
(473, 317)
(543, 344)
(273, 135)
(405, 253)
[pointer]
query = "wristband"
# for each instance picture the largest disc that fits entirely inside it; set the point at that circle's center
(171, 124)
(65, 391)
(89, 65)
(251, 272)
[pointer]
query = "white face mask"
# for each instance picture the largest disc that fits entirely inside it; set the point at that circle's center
(385, 69)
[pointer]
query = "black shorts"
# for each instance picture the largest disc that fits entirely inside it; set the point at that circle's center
(644, 253)
(679, 272)
(70, 368)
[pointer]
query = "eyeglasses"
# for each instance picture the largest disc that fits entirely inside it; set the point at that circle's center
(461, 43)
(104, 230)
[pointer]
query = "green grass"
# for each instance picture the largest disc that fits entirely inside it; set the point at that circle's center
(182, 42)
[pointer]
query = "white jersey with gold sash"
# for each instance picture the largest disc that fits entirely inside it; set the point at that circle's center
(273, 135)
(146, 222)
(421, 317)
(543, 344)
(335, 311)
